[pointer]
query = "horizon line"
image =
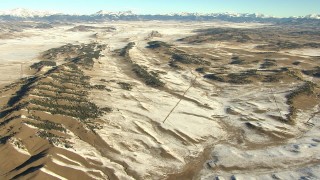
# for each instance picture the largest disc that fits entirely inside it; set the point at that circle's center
(133, 11)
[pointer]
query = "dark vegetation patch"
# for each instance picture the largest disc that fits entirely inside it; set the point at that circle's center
(233, 78)
(46, 125)
(62, 90)
(89, 54)
(65, 92)
(64, 78)
(314, 72)
(80, 54)
(46, 135)
(296, 63)
(214, 77)
(85, 28)
(271, 79)
(188, 59)
(268, 63)
(82, 110)
(149, 78)
(201, 70)
(107, 109)
(125, 51)
(239, 78)
(275, 75)
(280, 45)
(272, 38)
(82, 28)
(295, 73)
(73, 82)
(99, 86)
(157, 44)
(253, 75)
(53, 138)
(177, 56)
(40, 64)
(52, 54)
(219, 34)
(237, 60)
(308, 89)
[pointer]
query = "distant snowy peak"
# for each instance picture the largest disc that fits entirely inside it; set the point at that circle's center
(30, 14)
(310, 16)
(26, 13)
(252, 15)
(119, 13)
(313, 16)
(184, 14)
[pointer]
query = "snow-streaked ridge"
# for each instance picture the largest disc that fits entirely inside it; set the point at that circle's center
(254, 15)
(27, 13)
(313, 16)
(109, 13)
(24, 13)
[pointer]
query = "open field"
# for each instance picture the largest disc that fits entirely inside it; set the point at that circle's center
(160, 100)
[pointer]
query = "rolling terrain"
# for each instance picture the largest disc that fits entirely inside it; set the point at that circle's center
(159, 100)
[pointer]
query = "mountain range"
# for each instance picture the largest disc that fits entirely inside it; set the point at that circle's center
(25, 14)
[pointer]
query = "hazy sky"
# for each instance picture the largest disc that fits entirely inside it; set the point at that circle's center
(268, 7)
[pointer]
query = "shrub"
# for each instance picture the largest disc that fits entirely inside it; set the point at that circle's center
(99, 86)
(296, 63)
(106, 109)
(213, 77)
(237, 60)
(238, 78)
(201, 70)
(40, 64)
(157, 44)
(268, 63)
